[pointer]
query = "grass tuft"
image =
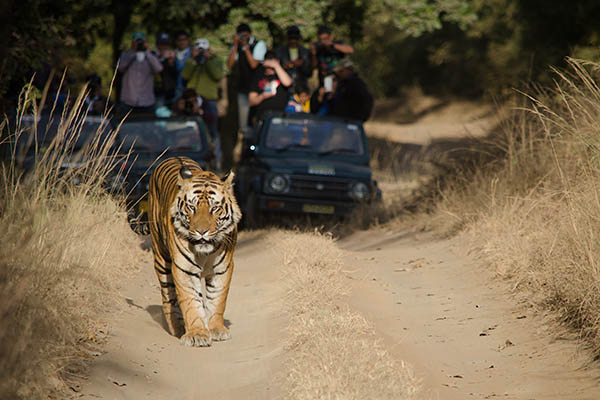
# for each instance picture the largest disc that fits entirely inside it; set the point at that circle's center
(333, 352)
(64, 247)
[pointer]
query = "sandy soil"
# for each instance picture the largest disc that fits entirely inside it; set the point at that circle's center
(458, 325)
(429, 120)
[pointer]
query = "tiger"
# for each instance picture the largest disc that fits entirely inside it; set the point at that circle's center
(193, 217)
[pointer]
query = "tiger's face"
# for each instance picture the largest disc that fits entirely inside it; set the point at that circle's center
(205, 210)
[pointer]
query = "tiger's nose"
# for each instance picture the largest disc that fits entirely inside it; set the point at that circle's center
(202, 233)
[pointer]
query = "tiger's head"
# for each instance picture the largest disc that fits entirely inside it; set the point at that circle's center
(205, 210)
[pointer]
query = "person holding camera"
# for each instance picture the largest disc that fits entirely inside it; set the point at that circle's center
(270, 89)
(165, 87)
(203, 72)
(295, 59)
(138, 66)
(244, 58)
(326, 54)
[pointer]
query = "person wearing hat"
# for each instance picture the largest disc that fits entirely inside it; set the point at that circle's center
(138, 67)
(352, 99)
(203, 72)
(245, 56)
(295, 59)
(166, 85)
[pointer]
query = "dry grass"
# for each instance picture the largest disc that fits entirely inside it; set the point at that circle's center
(536, 214)
(64, 248)
(333, 351)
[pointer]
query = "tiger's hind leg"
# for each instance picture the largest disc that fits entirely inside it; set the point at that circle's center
(170, 306)
(217, 289)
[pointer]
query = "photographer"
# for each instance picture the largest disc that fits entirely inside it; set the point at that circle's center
(244, 58)
(138, 67)
(189, 104)
(165, 87)
(294, 58)
(203, 72)
(327, 52)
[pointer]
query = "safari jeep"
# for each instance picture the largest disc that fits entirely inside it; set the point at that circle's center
(144, 142)
(303, 163)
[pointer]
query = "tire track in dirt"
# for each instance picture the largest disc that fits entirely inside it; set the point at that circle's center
(460, 328)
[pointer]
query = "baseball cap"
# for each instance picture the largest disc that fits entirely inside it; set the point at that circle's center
(163, 38)
(202, 43)
(138, 35)
(344, 63)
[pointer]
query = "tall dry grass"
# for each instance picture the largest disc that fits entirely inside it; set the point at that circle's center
(333, 352)
(63, 248)
(536, 213)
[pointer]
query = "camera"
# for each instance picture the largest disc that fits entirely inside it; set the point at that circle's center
(189, 107)
(139, 45)
(200, 59)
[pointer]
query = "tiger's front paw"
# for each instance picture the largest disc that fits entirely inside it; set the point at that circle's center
(220, 333)
(198, 338)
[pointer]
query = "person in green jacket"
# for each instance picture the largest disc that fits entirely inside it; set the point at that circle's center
(203, 72)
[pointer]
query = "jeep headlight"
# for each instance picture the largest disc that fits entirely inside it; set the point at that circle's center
(359, 191)
(278, 183)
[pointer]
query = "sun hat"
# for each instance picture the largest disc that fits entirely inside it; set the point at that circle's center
(202, 43)
(138, 35)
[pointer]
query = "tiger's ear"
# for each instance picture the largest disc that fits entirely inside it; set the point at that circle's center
(228, 179)
(184, 174)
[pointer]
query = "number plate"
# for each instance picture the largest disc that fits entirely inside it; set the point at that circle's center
(143, 207)
(317, 208)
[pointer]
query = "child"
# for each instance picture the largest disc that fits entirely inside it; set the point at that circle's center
(300, 103)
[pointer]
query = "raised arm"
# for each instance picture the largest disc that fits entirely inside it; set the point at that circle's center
(343, 47)
(283, 76)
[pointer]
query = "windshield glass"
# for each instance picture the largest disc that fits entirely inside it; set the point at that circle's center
(158, 136)
(76, 135)
(320, 136)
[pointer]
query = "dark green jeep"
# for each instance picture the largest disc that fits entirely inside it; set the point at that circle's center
(303, 163)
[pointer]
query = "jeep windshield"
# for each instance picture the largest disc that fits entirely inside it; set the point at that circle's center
(156, 136)
(323, 137)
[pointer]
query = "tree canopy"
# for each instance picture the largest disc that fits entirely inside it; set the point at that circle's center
(467, 46)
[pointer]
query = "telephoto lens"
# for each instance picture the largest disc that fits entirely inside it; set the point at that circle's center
(200, 56)
(139, 44)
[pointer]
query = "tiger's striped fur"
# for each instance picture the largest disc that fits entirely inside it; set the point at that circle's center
(193, 218)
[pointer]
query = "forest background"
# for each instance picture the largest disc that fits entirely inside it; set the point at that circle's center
(459, 47)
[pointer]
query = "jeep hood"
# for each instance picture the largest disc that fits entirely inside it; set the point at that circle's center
(317, 167)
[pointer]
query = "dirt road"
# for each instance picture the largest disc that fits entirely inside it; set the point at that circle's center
(435, 309)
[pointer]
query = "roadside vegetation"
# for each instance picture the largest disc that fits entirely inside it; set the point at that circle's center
(332, 351)
(531, 203)
(65, 246)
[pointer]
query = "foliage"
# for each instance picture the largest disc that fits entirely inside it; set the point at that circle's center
(469, 46)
